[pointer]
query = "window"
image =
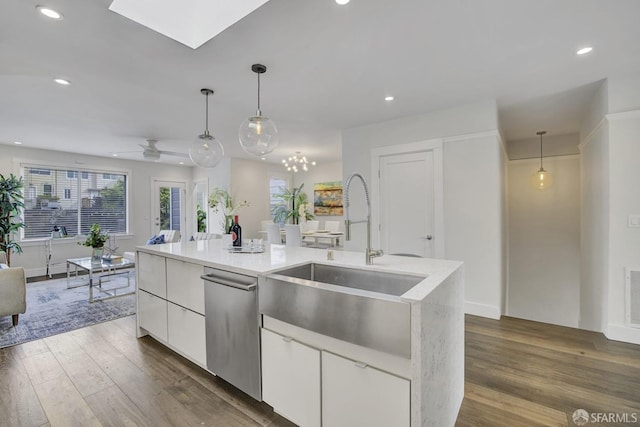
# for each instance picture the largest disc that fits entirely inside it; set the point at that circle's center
(276, 185)
(39, 171)
(73, 199)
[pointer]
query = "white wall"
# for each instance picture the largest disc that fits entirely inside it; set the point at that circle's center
(321, 173)
(141, 174)
(473, 206)
(624, 196)
(544, 242)
(250, 181)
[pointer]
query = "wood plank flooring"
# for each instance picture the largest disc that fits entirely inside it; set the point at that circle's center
(518, 373)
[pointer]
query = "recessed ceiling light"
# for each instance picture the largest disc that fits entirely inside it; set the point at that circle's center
(181, 163)
(584, 50)
(342, 2)
(49, 13)
(17, 142)
(63, 82)
(263, 158)
(115, 154)
(389, 98)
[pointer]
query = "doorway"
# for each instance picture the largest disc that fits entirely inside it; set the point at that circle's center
(407, 197)
(168, 206)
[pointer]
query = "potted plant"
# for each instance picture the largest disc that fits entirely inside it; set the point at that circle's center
(11, 201)
(96, 240)
(221, 201)
(294, 206)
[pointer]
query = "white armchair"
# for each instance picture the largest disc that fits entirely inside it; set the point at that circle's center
(13, 292)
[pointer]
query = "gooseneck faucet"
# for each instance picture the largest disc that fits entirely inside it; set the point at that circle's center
(369, 253)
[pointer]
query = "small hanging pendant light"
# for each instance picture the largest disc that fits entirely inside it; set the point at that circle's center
(258, 134)
(206, 151)
(542, 179)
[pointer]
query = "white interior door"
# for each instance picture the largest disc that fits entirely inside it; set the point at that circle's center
(168, 206)
(407, 204)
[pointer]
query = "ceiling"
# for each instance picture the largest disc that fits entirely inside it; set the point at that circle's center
(329, 68)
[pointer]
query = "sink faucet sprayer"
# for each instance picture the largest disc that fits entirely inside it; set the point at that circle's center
(369, 253)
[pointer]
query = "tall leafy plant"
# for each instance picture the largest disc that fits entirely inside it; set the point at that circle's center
(11, 201)
(293, 205)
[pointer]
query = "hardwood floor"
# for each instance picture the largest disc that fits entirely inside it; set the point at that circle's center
(518, 373)
(522, 373)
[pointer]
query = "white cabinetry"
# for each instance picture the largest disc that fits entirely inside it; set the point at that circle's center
(152, 274)
(184, 285)
(354, 394)
(186, 333)
(291, 378)
(152, 314)
(171, 304)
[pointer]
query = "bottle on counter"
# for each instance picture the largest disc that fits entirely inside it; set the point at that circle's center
(236, 232)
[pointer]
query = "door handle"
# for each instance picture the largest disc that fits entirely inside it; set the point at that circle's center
(428, 237)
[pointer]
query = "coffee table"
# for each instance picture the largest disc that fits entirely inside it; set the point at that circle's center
(100, 270)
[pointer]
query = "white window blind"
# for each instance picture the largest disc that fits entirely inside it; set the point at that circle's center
(74, 200)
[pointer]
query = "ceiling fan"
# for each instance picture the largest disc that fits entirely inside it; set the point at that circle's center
(151, 151)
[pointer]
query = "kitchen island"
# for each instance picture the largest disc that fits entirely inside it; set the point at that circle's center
(310, 377)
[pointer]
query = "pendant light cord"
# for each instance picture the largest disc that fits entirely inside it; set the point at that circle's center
(541, 168)
(259, 112)
(206, 119)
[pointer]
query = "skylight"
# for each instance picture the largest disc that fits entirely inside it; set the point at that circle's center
(190, 22)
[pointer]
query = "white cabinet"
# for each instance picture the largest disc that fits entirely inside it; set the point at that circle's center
(152, 314)
(152, 274)
(186, 332)
(171, 304)
(354, 394)
(184, 285)
(291, 378)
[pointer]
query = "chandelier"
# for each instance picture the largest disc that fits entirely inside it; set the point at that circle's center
(297, 162)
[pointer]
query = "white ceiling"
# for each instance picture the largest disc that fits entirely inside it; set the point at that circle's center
(329, 68)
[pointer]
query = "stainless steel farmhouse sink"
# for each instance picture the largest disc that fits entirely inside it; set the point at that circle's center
(359, 306)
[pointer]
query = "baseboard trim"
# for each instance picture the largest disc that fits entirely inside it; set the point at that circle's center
(483, 310)
(623, 333)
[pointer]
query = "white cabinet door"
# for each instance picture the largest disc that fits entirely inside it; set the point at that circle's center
(354, 394)
(152, 314)
(152, 276)
(291, 378)
(186, 333)
(184, 285)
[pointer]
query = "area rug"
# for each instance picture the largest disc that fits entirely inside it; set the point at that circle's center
(53, 309)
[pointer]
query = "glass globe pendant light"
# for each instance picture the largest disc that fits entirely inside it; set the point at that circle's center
(258, 134)
(542, 179)
(206, 151)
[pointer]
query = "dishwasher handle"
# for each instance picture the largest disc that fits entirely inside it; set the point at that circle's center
(226, 282)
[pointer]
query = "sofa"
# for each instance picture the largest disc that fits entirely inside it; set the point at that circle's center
(13, 291)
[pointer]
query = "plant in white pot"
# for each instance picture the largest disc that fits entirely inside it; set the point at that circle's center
(11, 201)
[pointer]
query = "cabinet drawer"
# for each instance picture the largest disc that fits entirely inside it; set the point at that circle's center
(184, 285)
(355, 394)
(186, 333)
(152, 314)
(152, 276)
(291, 378)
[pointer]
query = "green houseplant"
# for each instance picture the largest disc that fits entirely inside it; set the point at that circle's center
(294, 204)
(220, 201)
(96, 240)
(11, 201)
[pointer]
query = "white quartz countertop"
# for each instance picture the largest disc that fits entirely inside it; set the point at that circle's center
(210, 253)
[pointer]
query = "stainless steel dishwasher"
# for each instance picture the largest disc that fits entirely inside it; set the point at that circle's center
(232, 329)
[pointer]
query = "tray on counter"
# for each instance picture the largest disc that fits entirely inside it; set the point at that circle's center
(245, 249)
